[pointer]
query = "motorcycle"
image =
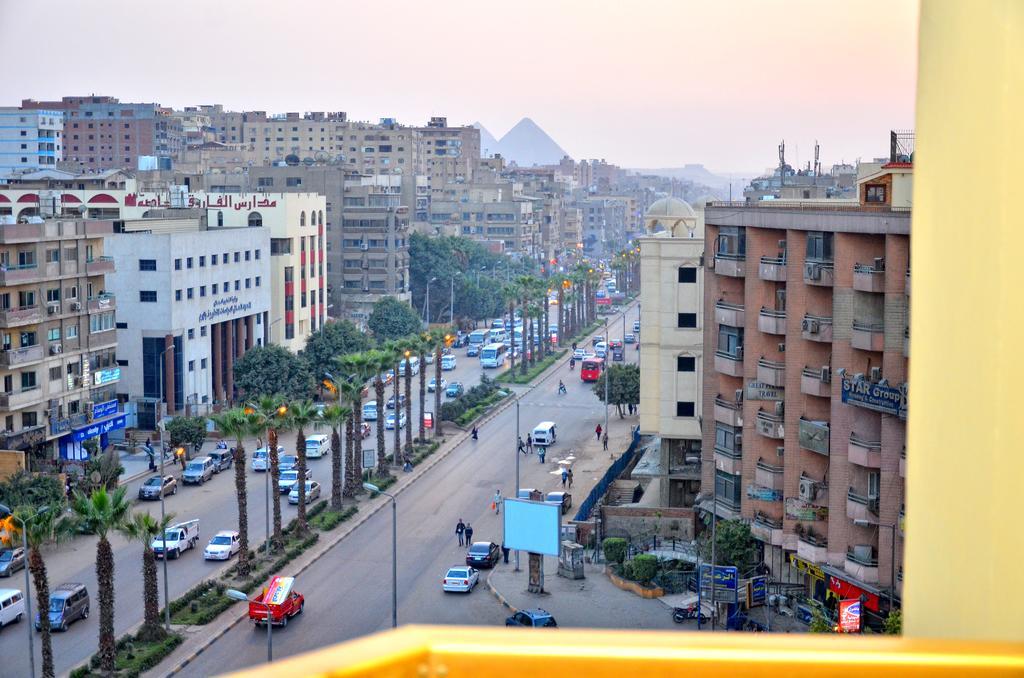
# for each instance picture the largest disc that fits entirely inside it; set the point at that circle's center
(681, 614)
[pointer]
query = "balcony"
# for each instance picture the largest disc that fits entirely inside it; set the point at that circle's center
(19, 274)
(771, 372)
(99, 265)
(21, 356)
(860, 507)
(906, 342)
(729, 460)
(767, 529)
(816, 328)
(19, 233)
(770, 425)
(816, 381)
(729, 363)
(26, 315)
(814, 436)
(733, 265)
(821, 273)
(729, 314)
(768, 475)
(102, 302)
(17, 399)
(868, 278)
(727, 412)
(812, 548)
(771, 322)
(862, 563)
(867, 336)
(906, 284)
(772, 268)
(866, 453)
(903, 463)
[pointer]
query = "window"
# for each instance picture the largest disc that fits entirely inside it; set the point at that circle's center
(238, 285)
(202, 331)
(53, 295)
(101, 322)
(820, 246)
(255, 219)
(687, 274)
(147, 296)
(122, 326)
(213, 289)
(202, 290)
(147, 264)
(53, 334)
(220, 219)
(213, 260)
(248, 255)
(202, 262)
(191, 365)
(191, 333)
(295, 181)
(29, 419)
(56, 373)
(177, 264)
(177, 295)
(686, 364)
(53, 256)
(189, 293)
(202, 365)
(686, 320)
(257, 255)
(874, 193)
(732, 242)
(257, 281)
(728, 488)
(188, 262)
(71, 331)
(237, 257)
(248, 283)
(265, 181)
(684, 408)
(730, 340)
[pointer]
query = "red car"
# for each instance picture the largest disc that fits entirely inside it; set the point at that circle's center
(278, 602)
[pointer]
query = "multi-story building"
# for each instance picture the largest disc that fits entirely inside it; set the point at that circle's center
(497, 215)
(193, 299)
(604, 224)
(446, 154)
(805, 363)
(671, 351)
(56, 193)
(30, 139)
(58, 366)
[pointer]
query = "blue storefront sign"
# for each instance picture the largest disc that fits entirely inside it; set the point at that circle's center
(726, 582)
(885, 399)
(106, 409)
(107, 376)
(758, 591)
(98, 428)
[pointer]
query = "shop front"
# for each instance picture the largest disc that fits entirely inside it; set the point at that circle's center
(100, 421)
(875, 606)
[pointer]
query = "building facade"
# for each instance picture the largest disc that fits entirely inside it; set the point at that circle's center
(30, 139)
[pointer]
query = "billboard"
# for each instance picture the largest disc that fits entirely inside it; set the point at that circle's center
(726, 582)
(532, 526)
(849, 616)
(878, 397)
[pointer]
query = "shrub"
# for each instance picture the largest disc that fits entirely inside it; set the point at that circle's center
(27, 489)
(614, 549)
(645, 566)
(626, 570)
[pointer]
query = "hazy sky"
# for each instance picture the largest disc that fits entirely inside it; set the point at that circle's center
(640, 83)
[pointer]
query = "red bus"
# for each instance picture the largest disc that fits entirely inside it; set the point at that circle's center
(591, 369)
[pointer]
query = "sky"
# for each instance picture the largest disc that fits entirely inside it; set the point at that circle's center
(645, 83)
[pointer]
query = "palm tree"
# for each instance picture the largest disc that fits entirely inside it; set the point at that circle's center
(439, 338)
(511, 293)
(352, 393)
(269, 412)
(335, 416)
(524, 283)
(424, 346)
(407, 347)
(393, 350)
(237, 424)
(381, 362)
(101, 513)
(358, 366)
(301, 415)
(144, 528)
(46, 526)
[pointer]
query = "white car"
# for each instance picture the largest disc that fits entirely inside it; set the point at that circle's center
(601, 349)
(312, 492)
(286, 481)
(448, 362)
(579, 354)
(433, 384)
(428, 357)
(223, 545)
(370, 411)
(261, 460)
(389, 423)
(460, 578)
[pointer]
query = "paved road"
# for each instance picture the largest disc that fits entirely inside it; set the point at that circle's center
(215, 505)
(349, 589)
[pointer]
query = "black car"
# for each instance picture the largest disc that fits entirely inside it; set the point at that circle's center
(483, 554)
(535, 617)
(618, 355)
(391, 401)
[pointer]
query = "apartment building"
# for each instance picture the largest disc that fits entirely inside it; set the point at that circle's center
(446, 154)
(193, 300)
(57, 193)
(494, 214)
(30, 139)
(805, 317)
(58, 364)
(604, 224)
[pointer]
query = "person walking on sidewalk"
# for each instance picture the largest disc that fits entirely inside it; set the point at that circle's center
(570, 478)
(522, 447)
(565, 476)
(469, 534)
(497, 502)
(598, 432)
(604, 441)
(460, 530)
(504, 552)
(529, 443)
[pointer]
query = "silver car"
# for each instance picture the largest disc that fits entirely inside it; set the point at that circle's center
(312, 492)
(11, 560)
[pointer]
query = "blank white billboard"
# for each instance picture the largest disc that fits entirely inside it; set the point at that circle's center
(532, 526)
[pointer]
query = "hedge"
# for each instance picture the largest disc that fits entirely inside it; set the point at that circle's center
(645, 566)
(133, 656)
(614, 549)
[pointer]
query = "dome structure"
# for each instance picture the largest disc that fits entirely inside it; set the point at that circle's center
(671, 216)
(670, 207)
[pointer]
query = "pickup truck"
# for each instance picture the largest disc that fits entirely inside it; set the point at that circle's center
(177, 538)
(278, 602)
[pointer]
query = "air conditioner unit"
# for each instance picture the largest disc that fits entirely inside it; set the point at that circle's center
(879, 263)
(78, 382)
(364, 246)
(782, 347)
(76, 306)
(55, 349)
(808, 489)
(805, 325)
(862, 551)
(812, 271)
(876, 374)
(826, 374)
(739, 353)
(53, 309)
(88, 406)
(780, 408)
(780, 451)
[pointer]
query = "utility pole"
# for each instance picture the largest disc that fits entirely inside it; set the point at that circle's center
(607, 373)
(516, 448)
(451, 316)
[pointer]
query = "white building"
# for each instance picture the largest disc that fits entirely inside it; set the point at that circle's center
(206, 292)
(30, 140)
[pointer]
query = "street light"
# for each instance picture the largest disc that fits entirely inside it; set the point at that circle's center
(163, 477)
(426, 303)
(394, 550)
(28, 593)
(234, 594)
(517, 469)
(859, 522)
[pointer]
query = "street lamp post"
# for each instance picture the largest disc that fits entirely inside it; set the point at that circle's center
(516, 495)
(28, 593)
(238, 595)
(394, 551)
(163, 478)
(426, 303)
(451, 312)
(892, 563)
(607, 374)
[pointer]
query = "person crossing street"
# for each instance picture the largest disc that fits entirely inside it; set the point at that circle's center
(460, 530)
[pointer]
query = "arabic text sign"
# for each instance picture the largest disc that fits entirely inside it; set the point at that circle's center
(105, 409)
(107, 376)
(98, 429)
(849, 616)
(726, 582)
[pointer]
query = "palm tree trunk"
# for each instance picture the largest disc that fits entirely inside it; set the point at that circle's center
(423, 394)
(398, 429)
(151, 628)
(533, 352)
(301, 526)
(275, 474)
(353, 469)
(408, 409)
(522, 357)
(37, 567)
(105, 583)
(438, 432)
(336, 462)
(382, 460)
(243, 510)
(512, 342)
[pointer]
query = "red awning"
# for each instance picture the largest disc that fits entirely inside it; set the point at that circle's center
(102, 198)
(4, 198)
(67, 197)
(29, 197)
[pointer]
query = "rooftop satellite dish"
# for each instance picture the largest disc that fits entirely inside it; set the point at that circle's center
(307, 161)
(291, 160)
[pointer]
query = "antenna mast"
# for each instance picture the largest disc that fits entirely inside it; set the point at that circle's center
(817, 163)
(782, 163)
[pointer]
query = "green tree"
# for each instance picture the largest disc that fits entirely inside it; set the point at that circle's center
(819, 622)
(237, 424)
(406, 348)
(335, 416)
(614, 549)
(393, 319)
(357, 368)
(266, 370)
(28, 489)
(144, 528)
(624, 387)
(300, 416)
(379, 362)
(268, 414)
(734, 545)
(335, 339)
(645, 567)
(101, 513)
(423, 347)
(893, 625)
(187, 432)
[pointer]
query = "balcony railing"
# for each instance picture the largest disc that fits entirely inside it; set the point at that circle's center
(814, 436)
(816, 328)
(772, 268)
(103, 302)
(771, 321)
(862, 563)
(770, 425)
(16, 399)
(25, 315)
(868, 278)
(864, 507)
(867, 453)
(771, 372)
(21, 356)
(733, 265)
(99, 265)
(768, 475)
(26, 437)
(729, 363)
(868, 336)
(729, 314)
(811, 548)
(729, 460)
(819, 273)
(17, 274)
(767, 529)
(728, 412)
(816, 381)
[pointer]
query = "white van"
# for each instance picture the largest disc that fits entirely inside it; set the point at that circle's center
(12, 606)
(544, 434)
(414, 366)
(317, 445)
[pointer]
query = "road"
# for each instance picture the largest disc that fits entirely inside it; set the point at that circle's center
(214, 503)
(348, 590)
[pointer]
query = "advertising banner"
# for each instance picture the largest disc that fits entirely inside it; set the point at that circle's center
(759, 390)
(98, 429)
(845, 589)
(758, 591)
(885, 399)
(107, 376)
(726, 583)
(278, 591)
(849, 616)
(105, 409)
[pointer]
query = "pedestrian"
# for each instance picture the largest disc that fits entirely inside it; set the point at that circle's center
(496, 504)
(529, 443)
(460, 530)
(469, 534)
(565, 476)
(475, 433)
(504, 552)
(597, 430)
(570, 479)
(541, 451)
(604, 441)
(522, 447)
